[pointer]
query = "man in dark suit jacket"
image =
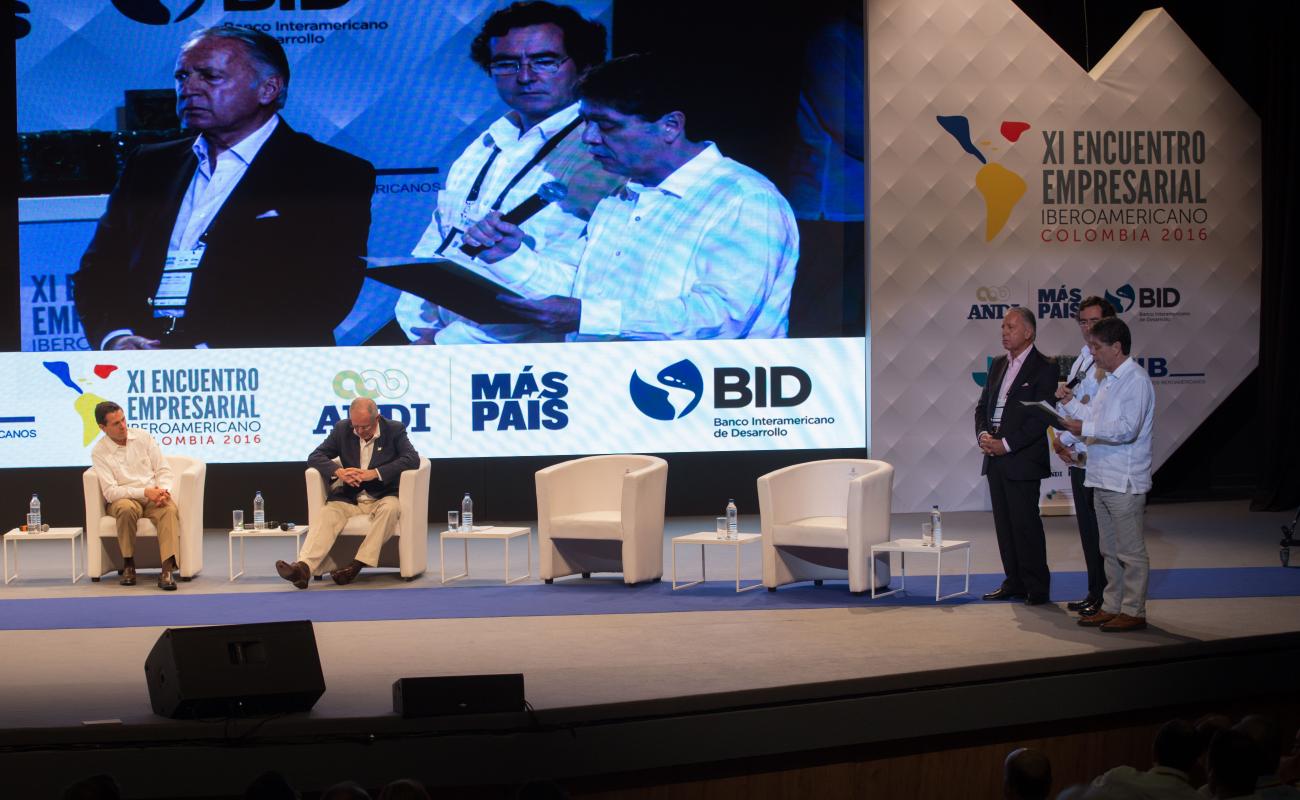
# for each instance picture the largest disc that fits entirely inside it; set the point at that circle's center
(269, 218)
(1013, 439)
(372, 454)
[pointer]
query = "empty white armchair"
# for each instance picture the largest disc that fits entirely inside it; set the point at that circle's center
(407, 549)
(820, 519)
(103, 553)
(602, 514)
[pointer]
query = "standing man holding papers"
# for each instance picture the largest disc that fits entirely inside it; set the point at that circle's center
(1118, 432)
(534, 52)
(1012, 438)
(1082, 383)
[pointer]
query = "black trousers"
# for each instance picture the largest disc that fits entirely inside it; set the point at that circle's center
(1088, 536)
(1021, 542)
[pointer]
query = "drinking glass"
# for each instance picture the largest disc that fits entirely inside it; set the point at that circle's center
(453, 520)
(721, 524)
(237, 519)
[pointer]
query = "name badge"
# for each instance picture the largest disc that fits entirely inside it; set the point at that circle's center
(174, 287)
(181, 260)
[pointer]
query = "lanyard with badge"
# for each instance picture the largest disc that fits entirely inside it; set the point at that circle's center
(173, 292)
(471, 199)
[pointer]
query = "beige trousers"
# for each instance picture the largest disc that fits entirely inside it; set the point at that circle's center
(321, 538)
(166, 519)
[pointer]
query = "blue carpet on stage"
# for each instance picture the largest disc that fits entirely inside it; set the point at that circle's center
(325, 603)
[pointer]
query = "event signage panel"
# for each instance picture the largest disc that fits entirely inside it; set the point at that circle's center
(261, 405)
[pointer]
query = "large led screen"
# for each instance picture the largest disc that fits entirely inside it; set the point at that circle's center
(730, 318)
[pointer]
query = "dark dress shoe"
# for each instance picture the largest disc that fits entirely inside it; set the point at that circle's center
(348, 574)
(1003, 593)
(167, 581)
(1084, 604)
(296, 573)
(1037, 600)
(1090, 611)
(128, 575)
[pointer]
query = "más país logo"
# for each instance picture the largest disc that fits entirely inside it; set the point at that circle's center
(677, 392)
(523, 401)
(1001, 188)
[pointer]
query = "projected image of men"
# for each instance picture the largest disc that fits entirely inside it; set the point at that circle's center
(695, 246)
(205, 238)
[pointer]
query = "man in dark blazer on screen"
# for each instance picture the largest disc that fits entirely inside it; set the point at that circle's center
(372, 454)
(219, 240)
(1013, 439)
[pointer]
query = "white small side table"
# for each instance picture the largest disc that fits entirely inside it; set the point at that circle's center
(905, 546)
(296, 532)
(70, 534)
(705, 538)
(501, 534)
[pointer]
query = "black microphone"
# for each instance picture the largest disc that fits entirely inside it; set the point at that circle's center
(547, 193)
(1078, 376)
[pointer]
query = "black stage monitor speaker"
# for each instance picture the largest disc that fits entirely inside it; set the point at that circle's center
(458, 694)
(234, 670)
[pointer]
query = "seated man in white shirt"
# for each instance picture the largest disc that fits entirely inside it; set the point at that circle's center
(695, 246)
(1117, 430)
(136, 482)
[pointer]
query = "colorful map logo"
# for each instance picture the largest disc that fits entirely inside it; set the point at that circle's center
(1000, 187)
(86, 401)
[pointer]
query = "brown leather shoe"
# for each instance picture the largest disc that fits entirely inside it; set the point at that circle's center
(167, 580)
(348, 574)
(297, 573)
(1123, 622)
(128, 575)
(1097, 620)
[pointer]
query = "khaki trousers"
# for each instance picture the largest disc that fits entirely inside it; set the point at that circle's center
(320, 539)
(166, 519)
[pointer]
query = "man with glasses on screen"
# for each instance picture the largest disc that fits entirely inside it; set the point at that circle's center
(534, 53)
(695, 246)
(207, 240)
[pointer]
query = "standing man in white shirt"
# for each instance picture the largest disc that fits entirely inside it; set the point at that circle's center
(695, 246)
(1081, 387)
(534, 52)
(1118, 434)
(136, 482)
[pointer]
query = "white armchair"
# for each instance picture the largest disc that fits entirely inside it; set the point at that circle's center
(408, 549)
(103, 554)
(820, 519)
(602, 514)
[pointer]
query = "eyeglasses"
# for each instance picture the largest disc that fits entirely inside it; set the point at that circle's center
(1084, 323)
(543, 65)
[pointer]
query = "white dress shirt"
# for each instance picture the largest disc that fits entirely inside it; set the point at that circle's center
(1157, 783)
(1008, 381)
(367, 451)
(1118, 431)
(558, 224)
(1080, 404)
(208, 191)
(125, 471)
(709, 253)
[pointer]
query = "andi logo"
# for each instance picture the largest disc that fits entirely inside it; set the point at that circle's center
(85, 402)
(389, 384)
(680, 387)
(1000, 187)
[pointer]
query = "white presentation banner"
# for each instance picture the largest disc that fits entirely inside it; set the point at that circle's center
(1003, 174)
(505, 400)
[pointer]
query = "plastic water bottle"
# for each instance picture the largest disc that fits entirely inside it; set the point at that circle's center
(936, 525)
(733, 526)
(259, 512)
(467, 514)
(34, 515)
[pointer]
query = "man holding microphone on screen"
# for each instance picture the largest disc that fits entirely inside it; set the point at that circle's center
(695, 246)
(534, 52)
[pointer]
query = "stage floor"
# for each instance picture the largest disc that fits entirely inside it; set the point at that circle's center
(67, 677)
